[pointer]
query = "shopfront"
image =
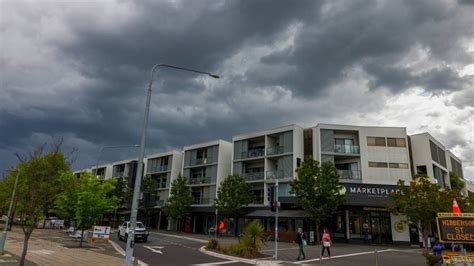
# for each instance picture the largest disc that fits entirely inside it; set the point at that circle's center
(364, 217)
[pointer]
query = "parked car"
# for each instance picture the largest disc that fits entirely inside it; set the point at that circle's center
(140, 232)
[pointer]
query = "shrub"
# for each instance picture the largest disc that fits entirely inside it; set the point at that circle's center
(252, 240)
(234, 249)
(431, 259)
(213, 244)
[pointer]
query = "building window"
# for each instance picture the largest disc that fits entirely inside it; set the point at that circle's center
(399, 165)
(376, 141)
(421, 170)
(378, 164)
(396, 142)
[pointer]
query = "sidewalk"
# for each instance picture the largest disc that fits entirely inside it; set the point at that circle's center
(49, 252)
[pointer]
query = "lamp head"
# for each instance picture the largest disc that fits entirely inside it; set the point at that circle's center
(214, 76)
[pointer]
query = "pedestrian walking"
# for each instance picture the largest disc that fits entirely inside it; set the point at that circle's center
(326, 242)
(301, 241)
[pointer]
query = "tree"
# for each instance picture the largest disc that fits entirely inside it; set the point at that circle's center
(180, 199)
(456, 182)
(317, 191)
(6, 186)
(149, 189)
(420, 202)
(39, 184)
(87, 200)
(231, 196)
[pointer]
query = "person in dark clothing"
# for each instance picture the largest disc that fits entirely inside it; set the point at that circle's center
(301, 241)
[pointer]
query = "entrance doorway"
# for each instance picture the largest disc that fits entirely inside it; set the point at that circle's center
(380, 229)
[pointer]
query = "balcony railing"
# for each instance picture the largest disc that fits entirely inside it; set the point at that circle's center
(158, 168)
(254, 176)
(349, 174)
(160, 203)
(201, 161)
(118, 174)
(257, 200)
(347, 149)
(275, 150)
(199, 180)
(275, 174)
(253, 153)
(199, 200)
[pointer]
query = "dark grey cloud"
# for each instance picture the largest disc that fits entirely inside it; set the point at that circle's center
(79, 70)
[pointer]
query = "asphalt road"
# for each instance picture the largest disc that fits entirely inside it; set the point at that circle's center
(163, 250)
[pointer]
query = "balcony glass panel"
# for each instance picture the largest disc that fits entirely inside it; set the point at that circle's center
(349, 174)
(199, 180)
(199, 200)
(158, 168)
(275, 150)
(275, 174)
(201, 161)
(257, 200)
(345, 148)
(254, 176)
(253, 153)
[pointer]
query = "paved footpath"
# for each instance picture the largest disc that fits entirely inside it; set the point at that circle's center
(45, 252)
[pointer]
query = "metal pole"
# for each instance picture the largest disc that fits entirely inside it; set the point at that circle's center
(138, 177)
(4, 233)
(215, 225)
(276, 219)
(376, 258)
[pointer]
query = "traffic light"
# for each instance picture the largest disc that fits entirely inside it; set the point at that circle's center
(270, 193)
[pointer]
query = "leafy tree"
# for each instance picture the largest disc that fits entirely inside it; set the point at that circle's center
(180, 199)
(233, 193)
(149, 188)
(420, 202)
(317, 191)
(455, 180)
(39, 184)
(87, 199)
(6, 186)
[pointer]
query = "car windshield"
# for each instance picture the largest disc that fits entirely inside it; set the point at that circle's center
(140, 225)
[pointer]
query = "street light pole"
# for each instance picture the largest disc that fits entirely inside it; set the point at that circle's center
(138, 179)
(3, 238)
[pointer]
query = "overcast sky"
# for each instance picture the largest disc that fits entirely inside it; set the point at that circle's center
(78, 70)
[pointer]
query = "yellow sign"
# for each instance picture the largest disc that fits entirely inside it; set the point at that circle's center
(450, 214)
(457, 257)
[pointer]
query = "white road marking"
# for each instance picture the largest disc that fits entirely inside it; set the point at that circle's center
(155, 249)
(346, 255)
(217, 263)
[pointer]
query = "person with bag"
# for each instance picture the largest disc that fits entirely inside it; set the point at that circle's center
(326, 242)
(301, 241)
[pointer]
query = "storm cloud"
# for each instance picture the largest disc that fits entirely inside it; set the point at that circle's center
(79, 70)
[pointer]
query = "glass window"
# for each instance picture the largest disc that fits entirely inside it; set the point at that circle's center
(378, 164)
(399, 165)
(376, 141)
(396, 142)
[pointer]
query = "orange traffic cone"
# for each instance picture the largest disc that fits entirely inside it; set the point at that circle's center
(456, 207)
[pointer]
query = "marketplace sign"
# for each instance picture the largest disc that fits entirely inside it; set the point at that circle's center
(456, 229)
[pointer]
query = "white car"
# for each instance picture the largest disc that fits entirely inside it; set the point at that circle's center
(140, 232)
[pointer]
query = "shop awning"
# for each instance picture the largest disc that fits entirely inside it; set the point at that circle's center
(282, 213)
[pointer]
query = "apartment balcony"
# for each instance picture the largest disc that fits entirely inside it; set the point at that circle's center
(254, 176)
(159, 168)
(118, 175)
(201, 201)
(346, 149)
(201, 161)
(253, 153)
(349, 174)
(275, 150)
(275, 174)
(160, 203)
(258, 200)
(200, 180)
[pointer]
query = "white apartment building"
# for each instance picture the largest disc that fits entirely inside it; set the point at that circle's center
(261, 157)
(205, 165)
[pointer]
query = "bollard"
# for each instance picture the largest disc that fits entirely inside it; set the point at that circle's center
(376, 258)
(135, 261)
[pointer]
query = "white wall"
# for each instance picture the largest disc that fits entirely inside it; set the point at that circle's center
(224, 162)
(399, 236)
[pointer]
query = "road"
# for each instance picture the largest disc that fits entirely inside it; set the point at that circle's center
(164, 250)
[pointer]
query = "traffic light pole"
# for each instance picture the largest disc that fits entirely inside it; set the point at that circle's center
(276, 218)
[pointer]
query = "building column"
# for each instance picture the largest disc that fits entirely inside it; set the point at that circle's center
(348, 233)
(194, 223)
